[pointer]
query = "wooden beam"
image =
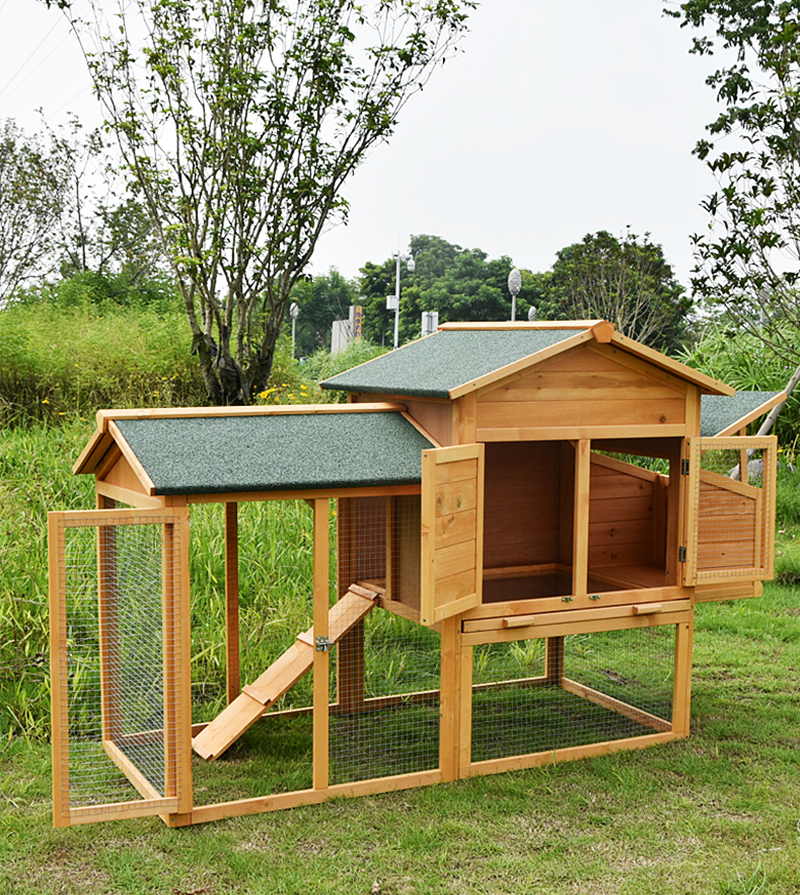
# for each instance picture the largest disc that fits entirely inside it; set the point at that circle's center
(232, 669)
(321, 630)
(580, 530)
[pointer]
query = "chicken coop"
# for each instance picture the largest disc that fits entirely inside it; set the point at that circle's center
(501, 540)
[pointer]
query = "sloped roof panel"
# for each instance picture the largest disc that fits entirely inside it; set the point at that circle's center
(230, 454)
(432, 366)
(719, 412)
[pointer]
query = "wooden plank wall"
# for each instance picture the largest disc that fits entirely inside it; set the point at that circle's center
(590, 388)
(621, 514)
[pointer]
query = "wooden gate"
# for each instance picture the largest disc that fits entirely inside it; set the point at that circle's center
(119, 659)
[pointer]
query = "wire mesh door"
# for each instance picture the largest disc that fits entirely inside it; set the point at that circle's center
(119, 660)
(731, 509)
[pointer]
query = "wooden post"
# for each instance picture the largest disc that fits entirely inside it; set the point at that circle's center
(450, 699)
(108, 623)
(681, 701)
(233, 674)
(178, 619)
(554, 660)
(321, 657)
(59, 691)
(580, 538)
(465, 726)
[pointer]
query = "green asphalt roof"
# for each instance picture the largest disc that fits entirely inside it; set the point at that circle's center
(433, 366)
(280, 452)
(717, 412)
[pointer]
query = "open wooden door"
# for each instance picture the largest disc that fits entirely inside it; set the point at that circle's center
(119, 661)
(731, 521)
(452, 531)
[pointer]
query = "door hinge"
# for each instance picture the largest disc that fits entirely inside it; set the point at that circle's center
(681, 554)
(323, 644)
(684, 467)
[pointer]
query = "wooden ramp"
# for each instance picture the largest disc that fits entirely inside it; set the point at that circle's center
(281, 676)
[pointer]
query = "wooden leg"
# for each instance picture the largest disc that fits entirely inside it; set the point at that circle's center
(465, 735)
(450, 699)
(681, 700)
(554, 660)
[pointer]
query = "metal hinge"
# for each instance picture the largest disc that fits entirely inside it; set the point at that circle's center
(681, 554)
(684, 467)
(323, 644)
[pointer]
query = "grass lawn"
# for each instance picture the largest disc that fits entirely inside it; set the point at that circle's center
(717, 813)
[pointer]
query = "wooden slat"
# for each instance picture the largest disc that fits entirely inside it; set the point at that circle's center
(315, 494)
(581, 412)
(555, 756)
(544, 432)
(616, 705)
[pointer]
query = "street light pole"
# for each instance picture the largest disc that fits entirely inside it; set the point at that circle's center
(411, 266)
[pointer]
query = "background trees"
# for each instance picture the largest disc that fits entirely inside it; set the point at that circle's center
(34, 179)
(747, 263)
(627, 281)
(240, 121)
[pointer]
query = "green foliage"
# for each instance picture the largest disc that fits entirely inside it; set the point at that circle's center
(746, 260)
(322, 364)
(321, 299)
(240, 122)
(63, 358)
(34, 178)
(461, 284)
(627, 281)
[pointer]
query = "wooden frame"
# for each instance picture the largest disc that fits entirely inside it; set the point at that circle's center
(594, 390)
(176, 798)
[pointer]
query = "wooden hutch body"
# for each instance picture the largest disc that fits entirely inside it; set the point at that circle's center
(569, 486)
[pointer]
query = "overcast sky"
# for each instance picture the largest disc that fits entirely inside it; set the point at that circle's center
(560, 118)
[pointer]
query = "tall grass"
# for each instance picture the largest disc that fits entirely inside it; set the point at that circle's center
(57, 360)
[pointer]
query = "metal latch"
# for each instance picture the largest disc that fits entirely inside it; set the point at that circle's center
(323, 644)
(595, 596)
(684, 467)
(681, 554)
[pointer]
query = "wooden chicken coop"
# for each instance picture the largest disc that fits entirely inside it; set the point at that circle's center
(524, 517)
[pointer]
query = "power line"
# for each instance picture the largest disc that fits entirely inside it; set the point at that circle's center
(30, 55)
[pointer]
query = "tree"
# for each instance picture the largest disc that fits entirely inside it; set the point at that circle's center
(322, 299)
(627, 281)
(34, 179)
(240, 121)
(747, 262)
(461, 284)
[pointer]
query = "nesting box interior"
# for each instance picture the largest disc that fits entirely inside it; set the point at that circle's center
(502, 538)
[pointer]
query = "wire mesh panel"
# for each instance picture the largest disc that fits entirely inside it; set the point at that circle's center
(387, 719)
(385, 680)
(575, 690)
(733, 501)
(267, 729)
(120, 738)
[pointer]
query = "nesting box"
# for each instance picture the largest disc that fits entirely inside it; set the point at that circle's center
(525, 517)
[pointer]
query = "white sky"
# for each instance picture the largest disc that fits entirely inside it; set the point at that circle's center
(561, 118)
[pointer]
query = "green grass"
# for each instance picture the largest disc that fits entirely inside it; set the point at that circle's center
(718, 813)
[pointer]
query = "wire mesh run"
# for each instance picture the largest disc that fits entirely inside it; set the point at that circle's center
(385, 677)
(114, 581)
(734, 499)
(387, 718)
(577, 690)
